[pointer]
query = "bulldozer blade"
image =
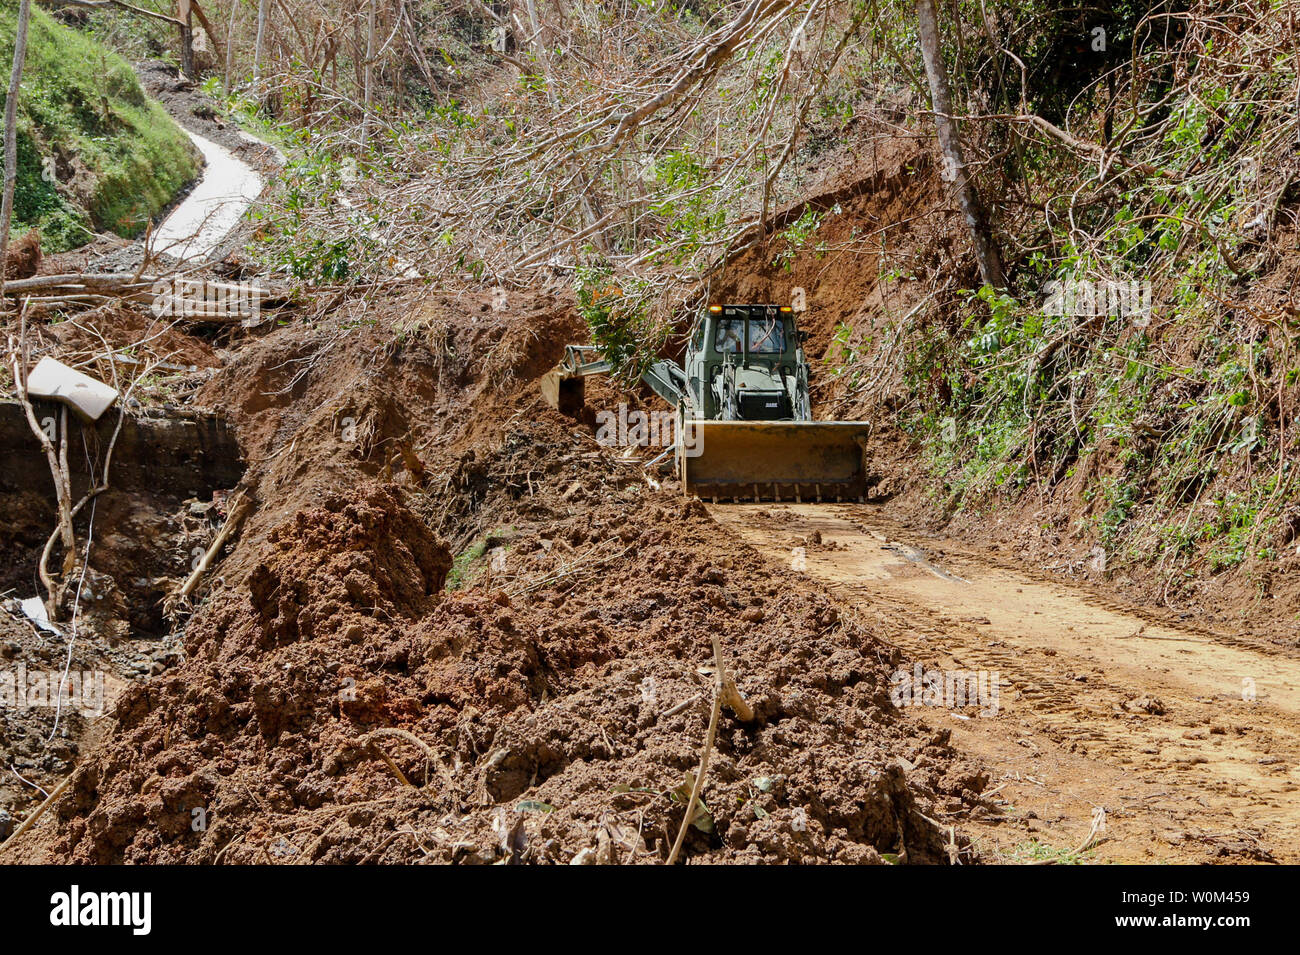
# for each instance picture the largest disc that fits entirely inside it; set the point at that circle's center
(774, 460)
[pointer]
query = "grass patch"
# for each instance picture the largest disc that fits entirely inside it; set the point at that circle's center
(82, 109)
(464, 566)
(1034, 852)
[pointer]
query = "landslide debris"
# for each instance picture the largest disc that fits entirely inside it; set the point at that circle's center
(458, 630)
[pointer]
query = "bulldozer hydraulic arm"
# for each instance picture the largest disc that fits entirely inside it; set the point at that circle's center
(563, 386)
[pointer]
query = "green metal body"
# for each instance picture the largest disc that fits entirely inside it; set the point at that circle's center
(744, 419)
(746, 362)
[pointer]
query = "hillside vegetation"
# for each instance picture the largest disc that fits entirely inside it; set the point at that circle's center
(94, 153)
(1133, 391)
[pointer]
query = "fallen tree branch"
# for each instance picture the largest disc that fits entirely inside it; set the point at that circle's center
(678, 707)
(718, 691)
(120, 4)
(77, 281)
(383, 754)
(698, 783)
(429, 754)
(58, 463)
(1084, 148)
(126, 283)
(238, 512)
(730, 696)
(707, 65)
(36, 815)
(96, 488)
(584, 564)
(370, 742)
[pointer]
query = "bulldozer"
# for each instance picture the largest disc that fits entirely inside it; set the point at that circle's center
(743, 421)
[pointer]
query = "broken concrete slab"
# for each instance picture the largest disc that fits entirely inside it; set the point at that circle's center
(86, 396)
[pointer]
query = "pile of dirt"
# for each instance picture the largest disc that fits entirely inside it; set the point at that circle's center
(23, 257)
(351, 692)
(547, 722)
(176, 356)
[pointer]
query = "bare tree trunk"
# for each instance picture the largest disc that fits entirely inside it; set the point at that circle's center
(369, 94)
(230, 41)
(399, 80)
(11, 137)
(260, 45)
(187, 37)
(207, 27)
(358, 48)
(954, 163)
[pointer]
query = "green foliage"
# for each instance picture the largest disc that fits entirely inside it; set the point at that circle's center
(458, 576)
(1033, 852)
(38, 204)
(798, 234)
(464, 564)
(1237, 525)
(81, 106)
(691, 217)
(288, 238)
(617, 311)
(1172, 427)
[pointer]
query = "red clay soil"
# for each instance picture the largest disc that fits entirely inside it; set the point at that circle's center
(348, 695)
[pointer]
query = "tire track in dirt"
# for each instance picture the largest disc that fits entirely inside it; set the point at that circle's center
(1097, 704)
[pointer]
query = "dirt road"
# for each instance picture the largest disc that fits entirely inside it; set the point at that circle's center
(1190, 741)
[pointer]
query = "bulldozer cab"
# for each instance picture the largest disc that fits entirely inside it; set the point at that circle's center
(744, 427)
(759, 345)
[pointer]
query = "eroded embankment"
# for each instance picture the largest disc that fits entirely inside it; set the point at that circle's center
(166, 486)
(1137, 465)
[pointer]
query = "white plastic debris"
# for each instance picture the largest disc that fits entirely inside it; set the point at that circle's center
(86, 396)
(33, 609)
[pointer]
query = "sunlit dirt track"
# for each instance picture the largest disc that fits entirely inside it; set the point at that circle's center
(1097, 706)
